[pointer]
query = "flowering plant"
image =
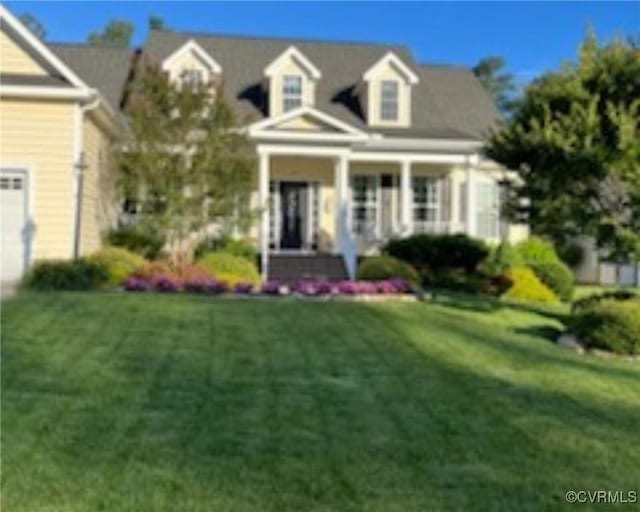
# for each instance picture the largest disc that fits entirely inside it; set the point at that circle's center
(243, 287)
(136, 284)
(166, 283)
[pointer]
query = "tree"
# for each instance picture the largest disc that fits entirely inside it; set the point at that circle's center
(499, 85)
(184, 162)
(34, 25)
(157, 23)
(574, 139)
(116, 33)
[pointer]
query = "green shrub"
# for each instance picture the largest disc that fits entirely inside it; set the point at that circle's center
(501, 258)
(557, 276)
(571, 253)
(81, 274)
(526, 286)
(119, 262)
(592, 300)
(145, 244)
(229, 268)
(240, 248)
(537, 250)
(431, 255)
(378, 268)
(610, 325)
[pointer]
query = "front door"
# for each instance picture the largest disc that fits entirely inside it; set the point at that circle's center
(14, 233)
(293, 198)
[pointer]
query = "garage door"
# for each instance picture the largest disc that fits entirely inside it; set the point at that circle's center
(13, 206)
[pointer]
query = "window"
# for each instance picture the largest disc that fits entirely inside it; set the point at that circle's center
(426, 203)
(291, 92)
(365, 193)
(389, 100)
(192, 79)
(487, 209)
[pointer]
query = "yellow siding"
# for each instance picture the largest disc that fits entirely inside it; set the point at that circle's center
(97, 202)
(304, 123)
(404, 98)
(39, 135)
(275, 87)
(14, 59)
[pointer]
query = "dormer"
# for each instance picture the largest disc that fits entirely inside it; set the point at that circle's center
(291, 82)
(191, 66)
(386, 92)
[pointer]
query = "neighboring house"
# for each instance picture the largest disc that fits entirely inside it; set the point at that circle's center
(355, 143)
(58, 115)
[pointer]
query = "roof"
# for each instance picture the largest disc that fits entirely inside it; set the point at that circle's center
(105, 68)
(448, 101)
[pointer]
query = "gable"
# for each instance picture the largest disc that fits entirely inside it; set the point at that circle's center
(190, 56)
(15, 58)
(305, 123)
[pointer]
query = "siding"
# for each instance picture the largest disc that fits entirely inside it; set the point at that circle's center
(39, 135)
(14, 59)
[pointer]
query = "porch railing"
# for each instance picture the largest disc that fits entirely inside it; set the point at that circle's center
(438, 227)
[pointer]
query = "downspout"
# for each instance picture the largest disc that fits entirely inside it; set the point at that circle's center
(78, 169)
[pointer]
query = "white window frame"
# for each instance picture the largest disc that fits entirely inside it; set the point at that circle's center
(374, 203)
(389, 101)
(190, 84)
(289, 95)
(433, 203)
(490, 210)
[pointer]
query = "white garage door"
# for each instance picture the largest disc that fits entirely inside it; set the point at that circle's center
(13, 206)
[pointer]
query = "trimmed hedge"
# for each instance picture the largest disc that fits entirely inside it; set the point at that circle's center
(377, 268)
(235, 247)
(431, 255)
(119, 262)
(557, 276)
(229, 268)
(501, 258)
(610, 325)
(526, 286)
(537, 250)
(80, 274)
(143, 243)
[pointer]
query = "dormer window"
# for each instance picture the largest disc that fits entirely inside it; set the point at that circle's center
(192, 79)
(191, 67)
(389, 100)
(291, 92)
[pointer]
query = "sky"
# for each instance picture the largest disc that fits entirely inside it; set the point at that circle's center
(531, 36)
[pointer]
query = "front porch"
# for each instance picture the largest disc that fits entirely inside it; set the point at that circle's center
(345, 202)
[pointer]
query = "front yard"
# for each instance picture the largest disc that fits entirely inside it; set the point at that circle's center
(125, 402)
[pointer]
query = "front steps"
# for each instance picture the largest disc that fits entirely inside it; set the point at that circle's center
(288, 268)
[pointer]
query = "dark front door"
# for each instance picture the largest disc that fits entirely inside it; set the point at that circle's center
(293, 204)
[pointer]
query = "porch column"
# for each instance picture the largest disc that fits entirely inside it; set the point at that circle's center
(341, 190)
(470, 196)
(263, 200)
(406, 199)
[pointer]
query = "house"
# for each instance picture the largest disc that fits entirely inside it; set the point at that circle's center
(355, 143)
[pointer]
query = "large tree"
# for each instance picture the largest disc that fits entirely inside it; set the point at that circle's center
(574, 137)
(498, 83)
(116, 33)
(184, 162)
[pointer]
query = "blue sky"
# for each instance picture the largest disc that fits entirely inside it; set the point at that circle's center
(532, 36)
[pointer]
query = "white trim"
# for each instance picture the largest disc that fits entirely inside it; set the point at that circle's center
(41, 48)
(29, 176)
(406, 198)
(442, 158)
(377, 176)
(263, 199)
(377, 141)
(310, 151)
(292, 53)
(259, 128)
(32, 91)
(391, 58)
(191, 46)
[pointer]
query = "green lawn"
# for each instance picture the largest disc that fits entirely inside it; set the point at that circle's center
(174, 403)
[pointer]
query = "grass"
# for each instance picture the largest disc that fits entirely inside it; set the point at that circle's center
(162, 403)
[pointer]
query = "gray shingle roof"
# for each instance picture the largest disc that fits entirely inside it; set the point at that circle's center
(102, 67)
(448, 102)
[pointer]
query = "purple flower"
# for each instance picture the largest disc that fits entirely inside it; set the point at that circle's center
(205, 285)
(136, 284)
(347, 287)
(244, 288)
(271, 288)
(166, 283)
(366, 287)
(401, 285)
(386, 287)
(325, 288)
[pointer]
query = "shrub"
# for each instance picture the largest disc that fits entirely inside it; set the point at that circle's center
(205, 285)
(537, 250)
(526, 286)
(571, 253)
(227, 245)
(274, 288)
(141, 242)
(610, 324)
(80, 274)
(592, 300)
(136, 284)
(119, 262)
(153, 269)
(385, 267)
(501, 258)
(243, 288)
(557, 276)
(166, 283)
(230, 268)
(433, 254)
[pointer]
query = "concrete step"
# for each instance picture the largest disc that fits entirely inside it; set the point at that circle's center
(289, 268)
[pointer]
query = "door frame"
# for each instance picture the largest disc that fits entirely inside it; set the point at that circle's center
(307, 241)
(28, 206)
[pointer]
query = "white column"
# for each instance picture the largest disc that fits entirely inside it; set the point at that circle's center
(470, 199)
(406, 198)
(263, 200)
(341, 190)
